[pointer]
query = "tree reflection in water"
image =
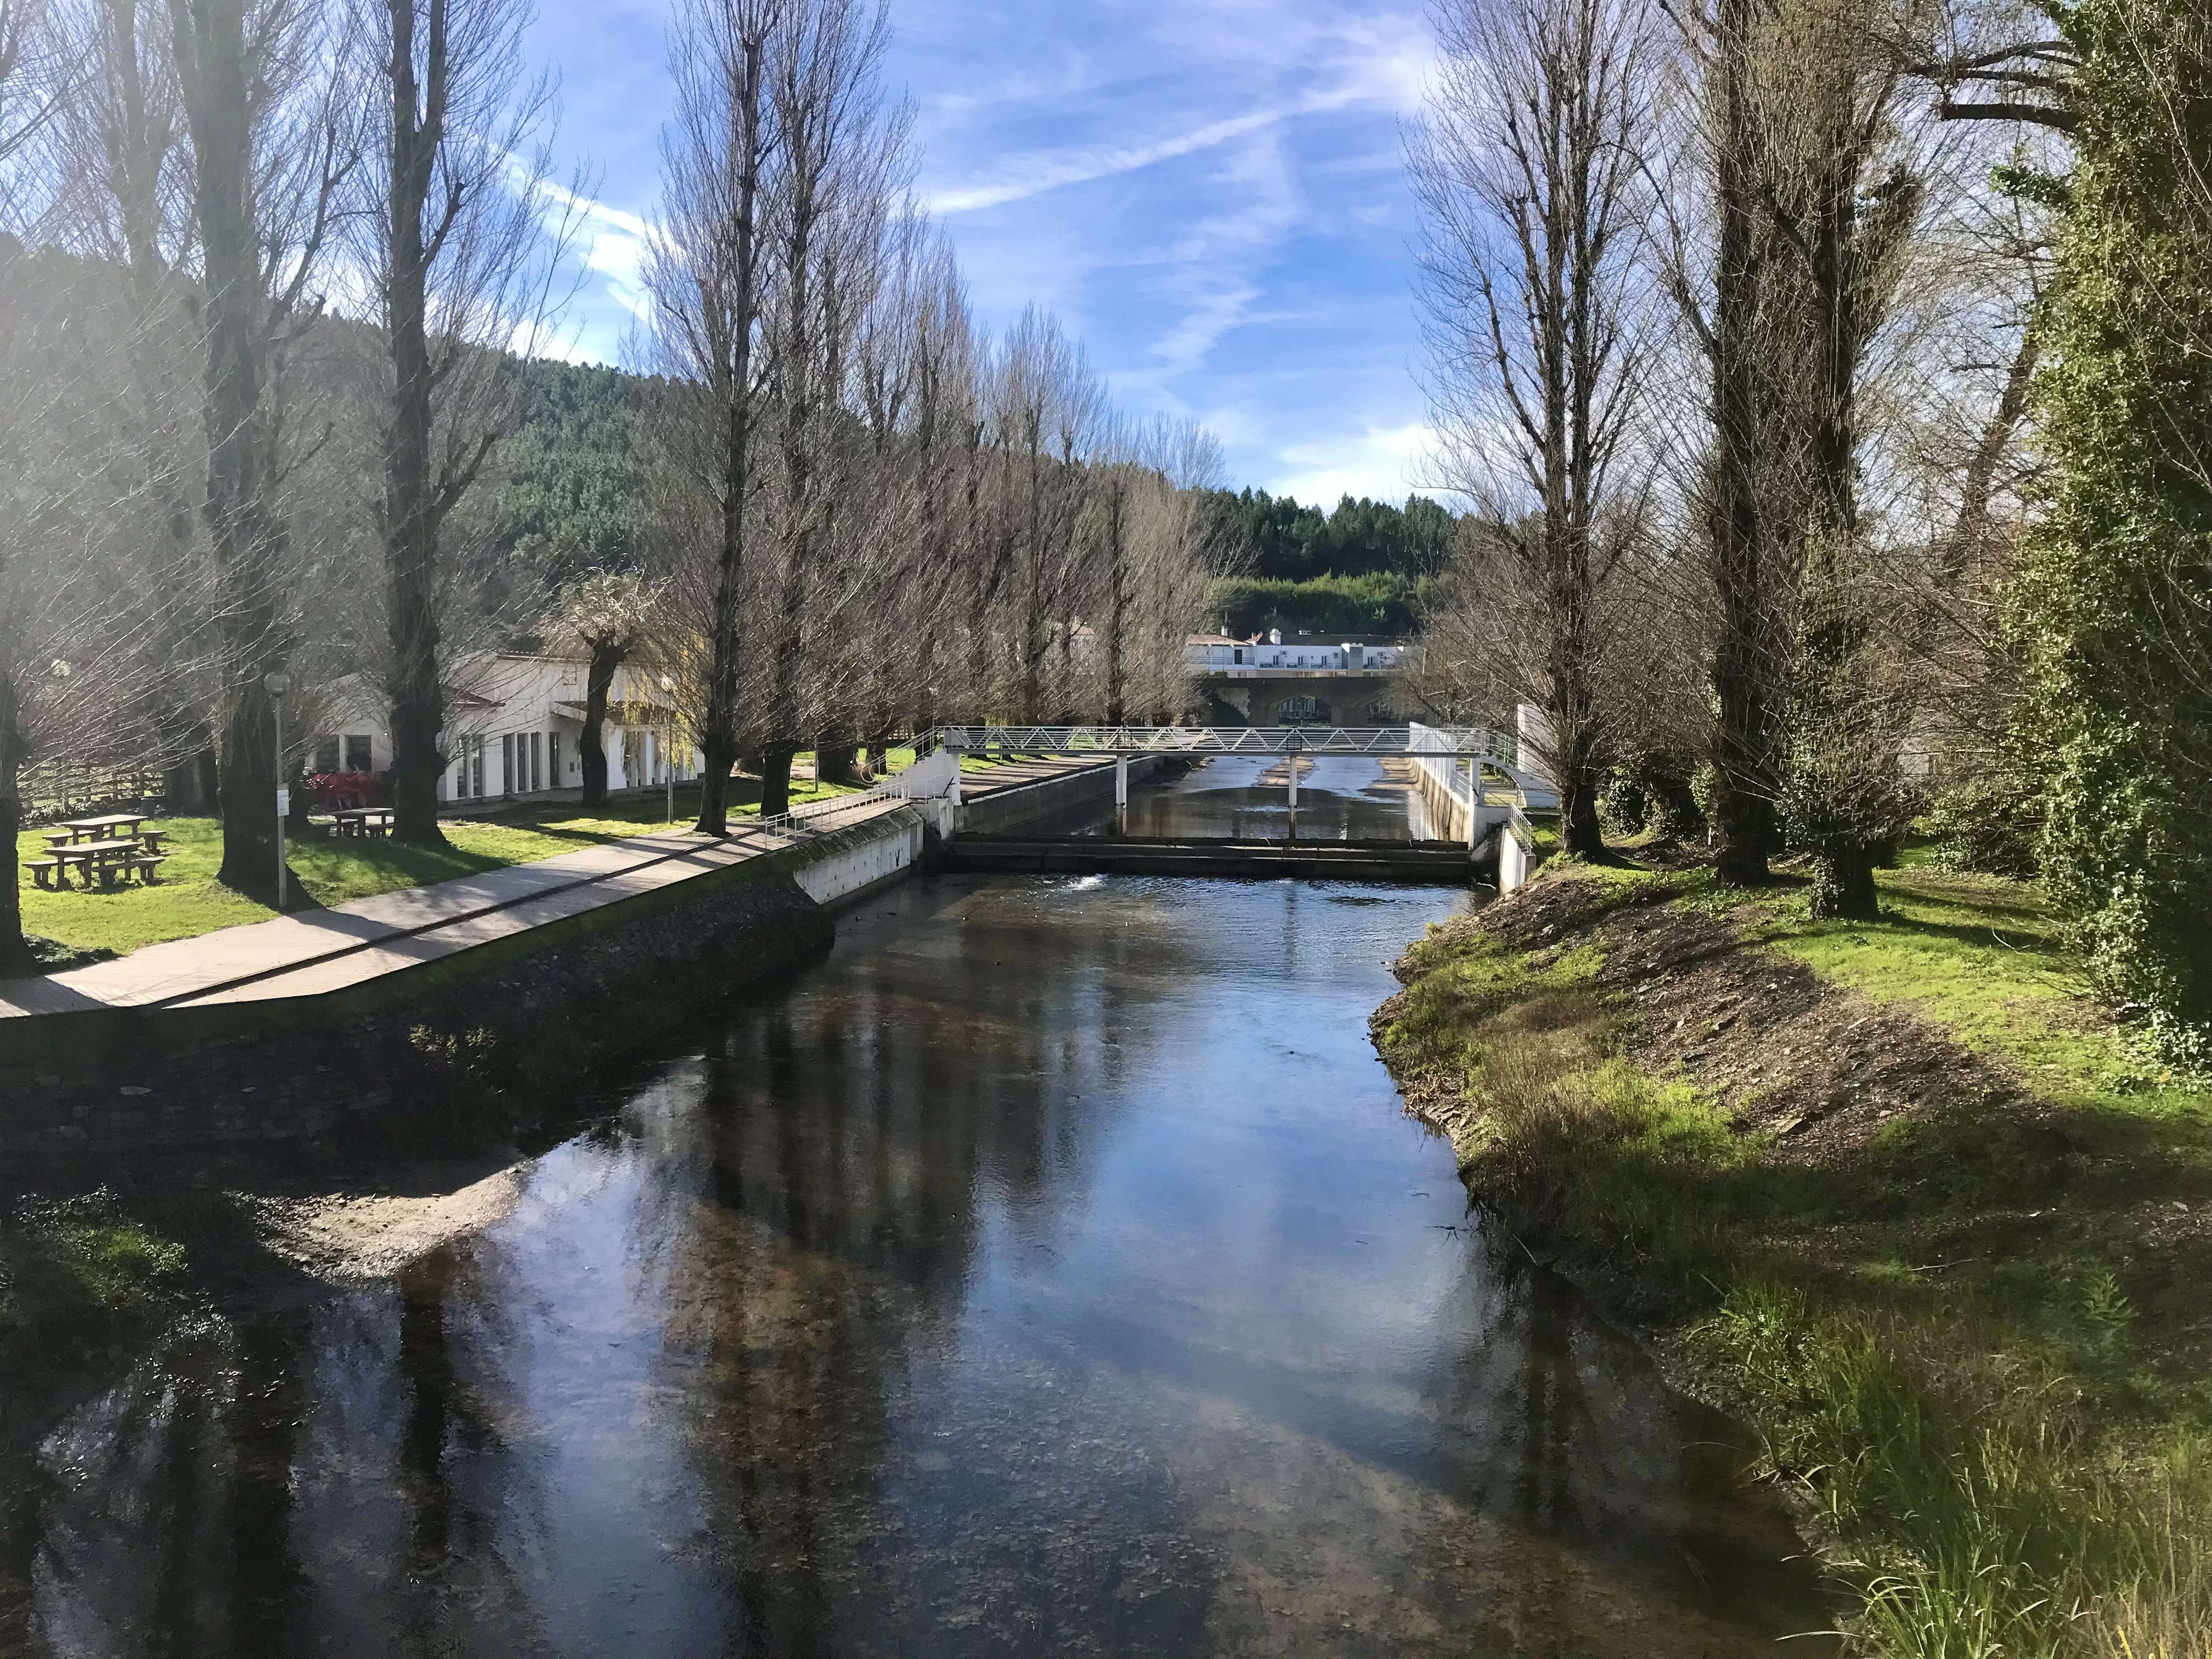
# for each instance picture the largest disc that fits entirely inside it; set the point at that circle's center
(1049, 1273)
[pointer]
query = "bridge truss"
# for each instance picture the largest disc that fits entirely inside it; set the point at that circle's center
(1437, 743)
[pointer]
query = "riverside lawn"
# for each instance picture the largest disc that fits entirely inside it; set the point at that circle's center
(1899, 1194)
(328, 870)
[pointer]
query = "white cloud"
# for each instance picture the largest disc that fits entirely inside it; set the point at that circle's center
(1386, 463)
(1036, 175)
(611, 243)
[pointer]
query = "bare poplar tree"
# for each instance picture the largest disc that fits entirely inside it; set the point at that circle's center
(703, 272)
(831, 188)
(270, 154)
(121, 165)
(451, 229)
(1530, 171)
(610, 616)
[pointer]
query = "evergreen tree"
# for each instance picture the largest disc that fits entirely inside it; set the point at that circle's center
(2117, 606)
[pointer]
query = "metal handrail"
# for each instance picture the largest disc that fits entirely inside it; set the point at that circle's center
(1217, 740)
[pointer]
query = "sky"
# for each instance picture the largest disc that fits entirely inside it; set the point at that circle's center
(1211, 193)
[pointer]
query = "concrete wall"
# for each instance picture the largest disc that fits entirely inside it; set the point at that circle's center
(1010, 809)
(491, 1036)
(861, 863)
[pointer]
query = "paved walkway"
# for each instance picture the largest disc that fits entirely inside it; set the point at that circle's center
(321, 950)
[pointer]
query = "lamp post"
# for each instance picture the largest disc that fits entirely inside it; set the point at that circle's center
(668, 747)
(277, 685)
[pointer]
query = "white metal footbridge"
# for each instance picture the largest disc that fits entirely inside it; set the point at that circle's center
(1476, 771)
(1457, 755)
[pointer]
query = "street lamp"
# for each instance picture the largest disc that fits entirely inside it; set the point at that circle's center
(668, 747)
(277, 685)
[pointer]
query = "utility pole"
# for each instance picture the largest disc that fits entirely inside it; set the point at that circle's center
(277, 685)
(668, 746)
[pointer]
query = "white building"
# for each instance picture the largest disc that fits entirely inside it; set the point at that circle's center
(1217, 653)
(515, 728)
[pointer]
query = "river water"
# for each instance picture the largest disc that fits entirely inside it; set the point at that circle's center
(1051, 1271)
(1246, 798)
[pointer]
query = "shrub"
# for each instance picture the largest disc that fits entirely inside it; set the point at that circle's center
(1989, 825)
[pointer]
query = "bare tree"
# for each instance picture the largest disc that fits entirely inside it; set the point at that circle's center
(452, 228)
(703, 272)
(837, 176)
(270, 155)
(1530, 170)
(609, 615)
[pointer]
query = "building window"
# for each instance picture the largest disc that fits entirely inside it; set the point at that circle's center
(536, 759)
(1296, 708)
(506, 763)
(326, 755)
(476, 768)
(553, 758)
(358, 753)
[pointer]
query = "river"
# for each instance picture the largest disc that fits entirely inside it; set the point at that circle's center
(1051, 1272)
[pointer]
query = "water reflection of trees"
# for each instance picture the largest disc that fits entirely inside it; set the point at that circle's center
(1588, 1467)
(166, 1522)
(857, 1137)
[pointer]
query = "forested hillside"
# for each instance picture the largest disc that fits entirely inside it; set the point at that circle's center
(1359, 569)
(571, 500)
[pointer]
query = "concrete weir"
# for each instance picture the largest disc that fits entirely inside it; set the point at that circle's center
(1418, 862)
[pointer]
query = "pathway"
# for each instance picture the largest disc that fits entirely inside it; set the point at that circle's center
(348, 944)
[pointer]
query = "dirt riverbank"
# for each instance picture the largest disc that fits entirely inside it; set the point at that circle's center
(1873, 1199)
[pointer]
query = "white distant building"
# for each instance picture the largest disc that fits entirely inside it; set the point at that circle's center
(1216, 653)
(515, 728)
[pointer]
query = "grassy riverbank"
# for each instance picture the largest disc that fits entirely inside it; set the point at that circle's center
(190, 902)
(1898, 1194)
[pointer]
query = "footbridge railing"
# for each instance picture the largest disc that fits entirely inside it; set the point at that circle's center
(1107, 740)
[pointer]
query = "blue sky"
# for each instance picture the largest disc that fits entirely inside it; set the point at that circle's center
(1209, 192)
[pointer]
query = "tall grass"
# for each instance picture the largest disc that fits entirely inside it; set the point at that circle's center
(1980, 1445)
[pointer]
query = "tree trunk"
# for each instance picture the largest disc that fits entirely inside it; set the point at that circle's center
(838, 762)
(248, 792)
(599, 679)
(15, 954)
(1842, 883)
(718, 740)
(410, 497)
(246, 540)
(1743, 754)
(1581, 833)
(775, 778)
(188, 788)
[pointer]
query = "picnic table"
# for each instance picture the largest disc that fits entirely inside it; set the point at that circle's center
(364, 820)
(105, 852)
(111, 827)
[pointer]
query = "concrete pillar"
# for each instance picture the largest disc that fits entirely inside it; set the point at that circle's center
(1121, 781)
(952, 791)
(1474, 804)
(1291, 762)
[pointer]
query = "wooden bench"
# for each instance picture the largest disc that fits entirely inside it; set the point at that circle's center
(46, 872)
(149, 866)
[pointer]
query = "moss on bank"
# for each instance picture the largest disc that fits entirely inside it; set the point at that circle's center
(1895, 1194)
(79, 1281)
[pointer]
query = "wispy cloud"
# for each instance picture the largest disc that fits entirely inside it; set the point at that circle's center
(1207, 191)
(611, 243)
(1035, 175)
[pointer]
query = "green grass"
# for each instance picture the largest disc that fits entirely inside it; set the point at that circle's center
(1976, 1343)
(189, 901)
(78, 1276)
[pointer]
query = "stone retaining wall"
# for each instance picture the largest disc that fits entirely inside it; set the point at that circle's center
(491, 1030)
